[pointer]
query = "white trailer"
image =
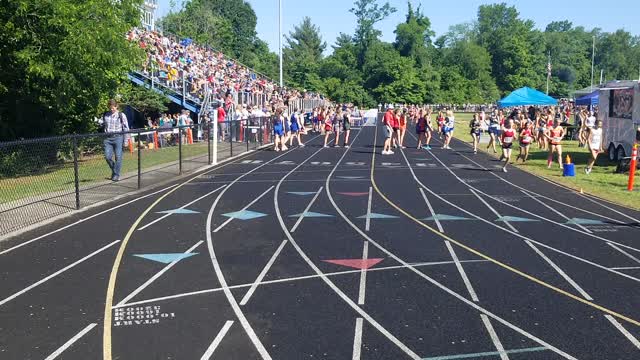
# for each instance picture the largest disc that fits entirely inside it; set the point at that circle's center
(619, 110)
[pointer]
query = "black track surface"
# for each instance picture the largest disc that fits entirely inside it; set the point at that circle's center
(548, 288)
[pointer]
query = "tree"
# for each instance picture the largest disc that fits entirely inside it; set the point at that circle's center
(414, 36)
(61, 61)
(368, 13)
(303, 53)
(149, 103)
(515, 48)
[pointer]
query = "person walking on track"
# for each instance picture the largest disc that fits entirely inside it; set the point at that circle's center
(114, 123)
(402, 126)
(595, 145)
(328, 126)
(449, 124)
(278, 131)
(295, 129)
(555, 134)
(428, 129)
(421, 128)
(337, 126)
(346, 127)
(507, 137)
(387, 122)
(476, 128)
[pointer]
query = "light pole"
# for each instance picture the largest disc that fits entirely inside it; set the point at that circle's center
(280, 39)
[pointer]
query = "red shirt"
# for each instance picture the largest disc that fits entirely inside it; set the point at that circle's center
(508, 135)
(221, 114)
(388, 118)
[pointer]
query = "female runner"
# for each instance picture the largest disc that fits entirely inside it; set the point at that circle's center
(428, 129)
(440, 120)
(494, 130)
(595, 145)
(526, 137)
(328, 125)
(346, 127)
(476, 127)
(295, 129)
(449, 125)
(541, 123)
(402, 127)
(508, 135)
(421, 128)
(337, 126)
(278, 131)
(555, 134)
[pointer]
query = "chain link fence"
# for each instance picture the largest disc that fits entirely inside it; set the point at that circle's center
(44, 178)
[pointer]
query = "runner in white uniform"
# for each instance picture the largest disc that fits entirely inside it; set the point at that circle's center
(595, 145)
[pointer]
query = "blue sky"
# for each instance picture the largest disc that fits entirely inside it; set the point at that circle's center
(333, 16)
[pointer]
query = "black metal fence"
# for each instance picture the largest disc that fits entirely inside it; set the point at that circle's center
(44, 178)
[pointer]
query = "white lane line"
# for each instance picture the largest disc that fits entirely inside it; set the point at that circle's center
(217, 340)
(610, 208)
(493, 210)
(463, 274)
(57, 273)
(560, 271)
(363, 275)
(218, 270)
(555, 211)
(323, 276)
(624, 252)
(71, 341)
(433, 281)
(243, 209)
(626, 268)
(520, 209)
(285, 280)
(263, 273)
(135, 292)
(357, 340)
(367, 224)
(83, 220)
(583, 260)
(295, 226)
(180, 208)
(494, 337)
(433, 213)
(624, 331)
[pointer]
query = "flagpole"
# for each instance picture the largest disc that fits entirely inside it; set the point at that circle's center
(548, 72)
(593, 59)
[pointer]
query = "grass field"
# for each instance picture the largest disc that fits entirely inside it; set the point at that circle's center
(91, 170)
(602, 182)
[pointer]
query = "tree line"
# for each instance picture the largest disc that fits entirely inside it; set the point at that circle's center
(61, 60)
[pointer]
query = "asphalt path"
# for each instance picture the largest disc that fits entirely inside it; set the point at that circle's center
(332, 253)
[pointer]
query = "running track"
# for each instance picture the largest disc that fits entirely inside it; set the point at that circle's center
(332, 254)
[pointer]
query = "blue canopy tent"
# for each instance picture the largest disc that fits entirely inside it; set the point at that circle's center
(526, 96)
(591, 99)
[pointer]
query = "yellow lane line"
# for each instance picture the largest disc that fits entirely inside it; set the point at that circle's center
(486, 257)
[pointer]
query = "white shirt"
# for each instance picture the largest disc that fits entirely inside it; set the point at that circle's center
(596, 138)
(591, 121)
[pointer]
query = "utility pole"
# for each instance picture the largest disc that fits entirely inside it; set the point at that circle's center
(548, 72)
(280, 39)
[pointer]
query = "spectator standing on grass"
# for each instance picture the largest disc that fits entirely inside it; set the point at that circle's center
(221, 124)
(115, 123)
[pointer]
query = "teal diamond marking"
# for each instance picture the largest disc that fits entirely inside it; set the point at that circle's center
(443, 217)
(378, 216)
(244, 215)
(178, 211)
(580, 221)
(515, 219)
(312, 214)
(165, 258)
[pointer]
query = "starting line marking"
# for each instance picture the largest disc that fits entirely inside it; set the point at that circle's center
(484, 354)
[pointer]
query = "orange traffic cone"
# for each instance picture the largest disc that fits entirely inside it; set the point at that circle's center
(568, 159)
(155, 140)
(241, 135)
(189, 136)
(130, 146)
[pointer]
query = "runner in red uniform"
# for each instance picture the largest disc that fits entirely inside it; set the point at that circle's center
(555, 134)
(507, 138)
(526, 138)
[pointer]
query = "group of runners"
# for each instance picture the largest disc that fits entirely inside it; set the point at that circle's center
(541, 126)
(330, 120)
(396, 120)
